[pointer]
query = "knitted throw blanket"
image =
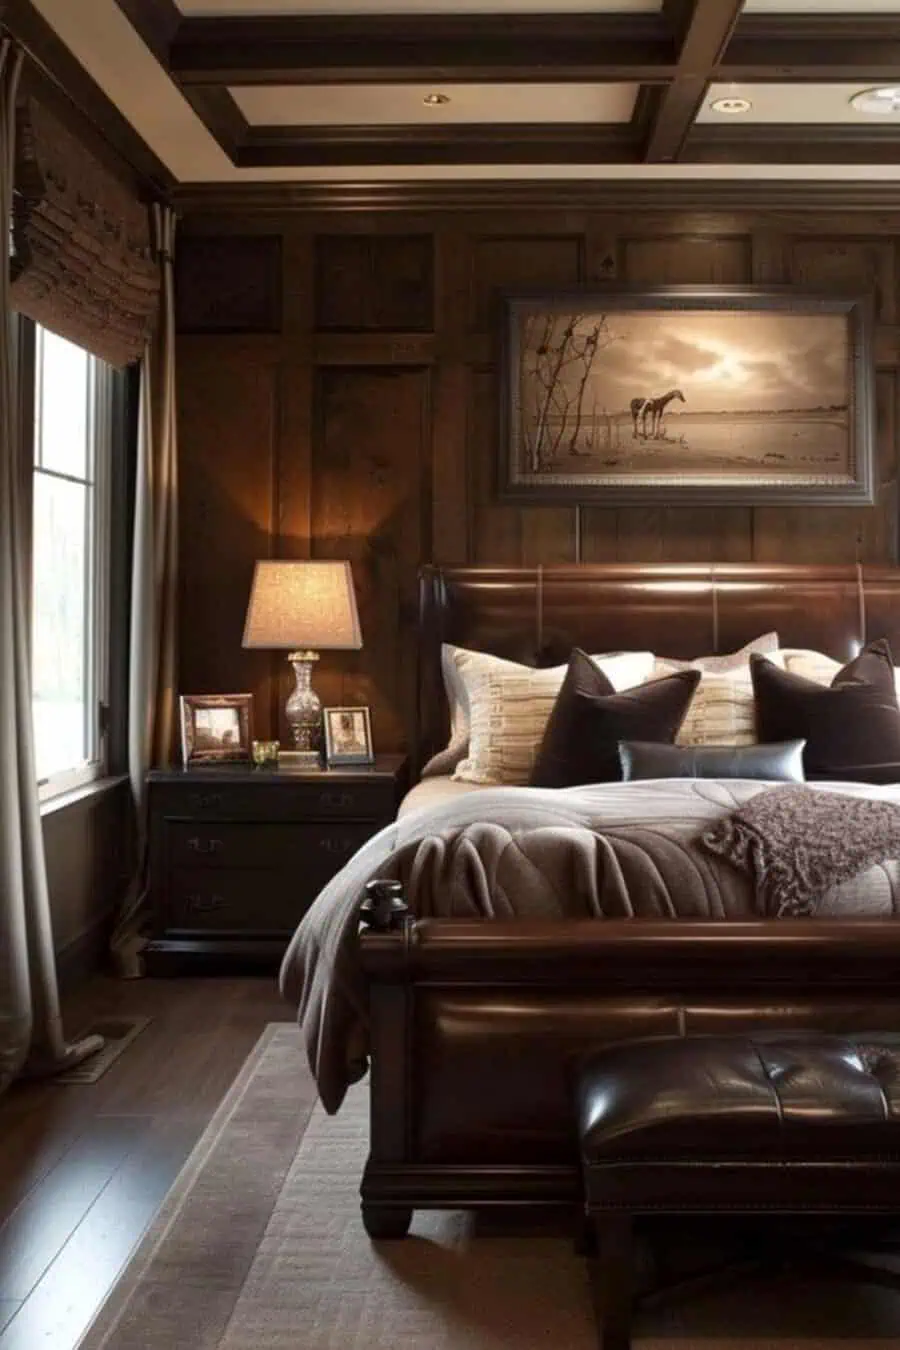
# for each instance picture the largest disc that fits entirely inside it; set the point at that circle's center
(796, 844)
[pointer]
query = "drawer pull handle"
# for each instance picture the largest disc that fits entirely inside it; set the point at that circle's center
(204, 904)
(341, 800)
(206, 801)
(205, 845)
(337, 844)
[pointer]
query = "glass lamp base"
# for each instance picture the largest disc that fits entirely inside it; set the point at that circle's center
(304, 712)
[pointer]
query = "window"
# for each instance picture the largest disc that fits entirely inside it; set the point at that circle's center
(70, 562)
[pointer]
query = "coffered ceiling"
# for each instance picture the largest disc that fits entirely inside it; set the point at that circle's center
(230, 91)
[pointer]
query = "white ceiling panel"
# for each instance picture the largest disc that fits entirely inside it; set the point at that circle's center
(403, 105)
(793, 103)
(822, 7)
(257, 7)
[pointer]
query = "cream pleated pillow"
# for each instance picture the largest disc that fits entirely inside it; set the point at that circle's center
(508, 707)
(722, 711)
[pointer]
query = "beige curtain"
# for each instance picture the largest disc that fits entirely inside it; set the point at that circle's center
(151, 695)
(31, 1034)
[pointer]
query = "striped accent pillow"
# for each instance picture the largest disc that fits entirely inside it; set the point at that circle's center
(722, 711)
(509, 706)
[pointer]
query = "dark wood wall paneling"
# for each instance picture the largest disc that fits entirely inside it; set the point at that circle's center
(338, 398)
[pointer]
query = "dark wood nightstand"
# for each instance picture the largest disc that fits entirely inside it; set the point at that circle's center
(238, 854)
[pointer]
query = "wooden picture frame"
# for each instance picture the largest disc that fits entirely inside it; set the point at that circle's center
(683, 395)
(348, 736)
(216, 728)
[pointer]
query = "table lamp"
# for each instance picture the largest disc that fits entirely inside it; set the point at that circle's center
(303, 606)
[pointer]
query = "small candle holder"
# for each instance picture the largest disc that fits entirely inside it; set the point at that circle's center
(265, 754)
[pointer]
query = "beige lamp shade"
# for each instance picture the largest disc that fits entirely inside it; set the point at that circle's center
(302, 604)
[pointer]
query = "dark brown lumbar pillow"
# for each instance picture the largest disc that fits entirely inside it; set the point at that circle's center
(778, 763)
(589, 719)
(855, 720)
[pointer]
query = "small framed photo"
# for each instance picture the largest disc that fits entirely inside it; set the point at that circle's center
(348, 736)
(216, 727)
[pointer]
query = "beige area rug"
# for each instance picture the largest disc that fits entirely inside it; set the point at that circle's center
(259, 1246)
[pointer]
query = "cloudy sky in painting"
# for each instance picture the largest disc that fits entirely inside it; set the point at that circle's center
(721, 362)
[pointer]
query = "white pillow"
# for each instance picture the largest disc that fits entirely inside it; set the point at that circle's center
(764, 645)
(508, 706)
(446, 760)
(818, 667)
(815, 666)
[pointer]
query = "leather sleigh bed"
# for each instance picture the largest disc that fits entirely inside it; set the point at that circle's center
(474, 1027)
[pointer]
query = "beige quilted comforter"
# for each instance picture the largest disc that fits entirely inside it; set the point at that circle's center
(611, 851)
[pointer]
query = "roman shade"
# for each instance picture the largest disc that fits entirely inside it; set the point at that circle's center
(83, 264)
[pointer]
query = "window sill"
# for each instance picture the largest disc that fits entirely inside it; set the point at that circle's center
(87, 792)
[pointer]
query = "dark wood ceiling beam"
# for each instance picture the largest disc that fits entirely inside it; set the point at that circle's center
(385, 49)
(858, 60)
(777, 144)
(460, 144)
(156, 22)
(707, 26)
(220, 114)
(571, 47)
(555, 143)
(813, 47)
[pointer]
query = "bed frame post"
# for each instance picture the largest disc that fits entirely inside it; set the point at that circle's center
(389, 927)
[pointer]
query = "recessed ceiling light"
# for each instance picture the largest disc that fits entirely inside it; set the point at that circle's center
(435, 100)
(883, 102)
(731, 105)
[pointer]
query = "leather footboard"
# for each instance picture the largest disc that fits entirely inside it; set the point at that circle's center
(476, 1026)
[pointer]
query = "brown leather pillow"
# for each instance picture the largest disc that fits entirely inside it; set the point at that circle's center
(589, 719)
(853, 721)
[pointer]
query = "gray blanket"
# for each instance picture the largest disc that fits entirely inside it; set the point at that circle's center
(619, 850)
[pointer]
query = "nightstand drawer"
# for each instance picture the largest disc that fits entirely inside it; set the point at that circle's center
(278, 799)
(206, 901)
(314, 847)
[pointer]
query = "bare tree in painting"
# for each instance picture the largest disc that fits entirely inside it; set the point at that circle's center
(557, 364)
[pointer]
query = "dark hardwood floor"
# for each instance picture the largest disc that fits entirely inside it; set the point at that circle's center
(83, 1168)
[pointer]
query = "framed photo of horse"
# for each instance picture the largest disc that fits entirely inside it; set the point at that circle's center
(686, 395)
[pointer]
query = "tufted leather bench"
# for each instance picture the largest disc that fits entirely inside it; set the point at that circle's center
(790, 1124)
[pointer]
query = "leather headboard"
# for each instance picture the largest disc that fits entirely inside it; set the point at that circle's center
(537, 614)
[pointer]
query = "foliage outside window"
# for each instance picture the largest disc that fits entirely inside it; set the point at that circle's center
(70, 562)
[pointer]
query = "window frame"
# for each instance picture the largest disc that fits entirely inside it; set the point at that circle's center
(101, 418)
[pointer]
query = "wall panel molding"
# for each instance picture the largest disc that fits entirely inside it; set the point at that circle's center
(381, 439)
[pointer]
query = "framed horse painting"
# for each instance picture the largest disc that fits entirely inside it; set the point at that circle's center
(731, 395)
